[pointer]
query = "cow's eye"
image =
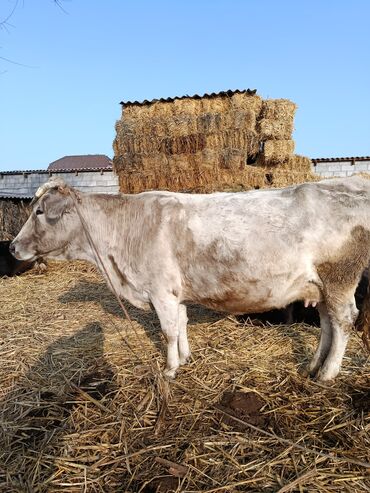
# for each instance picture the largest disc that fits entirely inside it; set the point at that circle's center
(38, 212)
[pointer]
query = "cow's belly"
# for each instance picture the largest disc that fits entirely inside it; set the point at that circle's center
(258, 295)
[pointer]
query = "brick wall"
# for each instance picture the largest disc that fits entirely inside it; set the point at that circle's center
(341, 167)
(25, 184)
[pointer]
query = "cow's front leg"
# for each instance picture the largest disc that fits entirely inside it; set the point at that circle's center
(184, 349)
(168, 313)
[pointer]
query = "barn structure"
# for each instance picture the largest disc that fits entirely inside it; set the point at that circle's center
(341, 166)
(86, 173)
(219, 141)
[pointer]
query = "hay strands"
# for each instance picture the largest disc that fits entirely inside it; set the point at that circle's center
(54, 438)
(284, 441)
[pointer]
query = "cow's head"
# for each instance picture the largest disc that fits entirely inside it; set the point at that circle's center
(52, 225)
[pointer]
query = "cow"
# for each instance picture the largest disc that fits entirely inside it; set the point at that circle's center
(10, 266)
(298, 313)
(234, 252)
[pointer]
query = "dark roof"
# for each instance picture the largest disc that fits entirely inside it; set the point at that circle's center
(52, 171)
(14, 195)
(335, 159)
(85, 162)
(250, 92)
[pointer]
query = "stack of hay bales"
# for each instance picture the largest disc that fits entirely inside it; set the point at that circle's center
(13, 215)
(205, 144)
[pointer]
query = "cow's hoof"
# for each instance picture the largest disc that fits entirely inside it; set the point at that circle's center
(170, 373)
(303, 372)
(185, 359)
(325, 376)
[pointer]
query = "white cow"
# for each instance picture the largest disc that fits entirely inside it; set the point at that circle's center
(233, 252)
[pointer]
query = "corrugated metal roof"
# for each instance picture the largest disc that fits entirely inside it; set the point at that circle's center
(52, 171)
(250, 92)
(14, 195)
(336, 159)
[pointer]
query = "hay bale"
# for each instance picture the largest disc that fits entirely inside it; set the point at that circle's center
(209, 123)
(278, 109)
(296, 169)
(276, 119)
(203, 144)
(245, 140)
(241, 120)
(188, 144)
(277, 151)
(182, 125)
(210, 170)
(13, 215)
(234, 159)
(275, 129)
(246, 102)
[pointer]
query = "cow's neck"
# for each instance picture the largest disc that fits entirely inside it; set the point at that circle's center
(117, 241)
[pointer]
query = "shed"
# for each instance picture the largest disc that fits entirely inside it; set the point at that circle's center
(92, 173)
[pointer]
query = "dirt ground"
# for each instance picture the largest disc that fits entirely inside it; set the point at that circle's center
(85, 408)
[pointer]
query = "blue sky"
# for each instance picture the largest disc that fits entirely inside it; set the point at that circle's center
(77, 67)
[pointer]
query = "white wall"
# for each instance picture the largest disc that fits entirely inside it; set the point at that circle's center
(341, 168)
(26, 184)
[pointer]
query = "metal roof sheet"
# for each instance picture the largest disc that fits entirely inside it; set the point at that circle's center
(250, 92)
(53, 171)
(337, 159)
(14, 195)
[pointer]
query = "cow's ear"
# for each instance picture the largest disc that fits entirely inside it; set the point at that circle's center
(55, 204)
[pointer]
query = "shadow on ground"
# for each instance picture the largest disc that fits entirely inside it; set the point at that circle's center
(35, 412)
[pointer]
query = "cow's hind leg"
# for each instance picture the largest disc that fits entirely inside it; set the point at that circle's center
(342, 318)
(340, 277)
(168, 313)
(325, 341)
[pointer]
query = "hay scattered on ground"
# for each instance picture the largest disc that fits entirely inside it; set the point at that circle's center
(80, 413)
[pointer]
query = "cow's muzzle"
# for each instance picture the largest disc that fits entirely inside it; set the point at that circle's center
(18, 253)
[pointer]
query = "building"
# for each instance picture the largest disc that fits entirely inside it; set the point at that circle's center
(82, 162)
(91, 173)
(340, 166)
(86, 173)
